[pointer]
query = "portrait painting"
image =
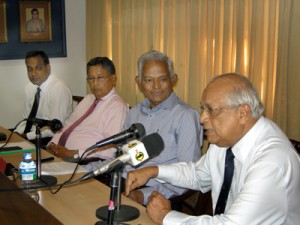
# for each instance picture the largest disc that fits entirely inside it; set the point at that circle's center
(3, 29)
(35, 21)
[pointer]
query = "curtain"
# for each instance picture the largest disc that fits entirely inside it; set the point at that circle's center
(205, 38)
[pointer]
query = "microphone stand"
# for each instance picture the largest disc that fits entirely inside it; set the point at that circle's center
(41, 180)
(115, 212)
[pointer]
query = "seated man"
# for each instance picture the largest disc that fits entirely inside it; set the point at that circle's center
(55, 99)
(163, 112)
(98, 116)
(261, 180)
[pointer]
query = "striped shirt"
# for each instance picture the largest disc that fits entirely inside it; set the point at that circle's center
(178, 124)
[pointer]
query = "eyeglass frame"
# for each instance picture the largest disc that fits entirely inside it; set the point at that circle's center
(100, 78)
(213, 112)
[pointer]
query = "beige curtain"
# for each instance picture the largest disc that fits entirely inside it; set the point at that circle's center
(203, 37)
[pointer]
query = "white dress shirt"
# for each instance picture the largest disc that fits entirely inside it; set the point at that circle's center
(265, 187)
(55, 103)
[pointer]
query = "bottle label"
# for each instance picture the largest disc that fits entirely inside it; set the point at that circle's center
(28, 174)
(27, 171)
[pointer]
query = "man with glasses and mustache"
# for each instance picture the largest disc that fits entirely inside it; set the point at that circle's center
(99, 115)
(251, 167)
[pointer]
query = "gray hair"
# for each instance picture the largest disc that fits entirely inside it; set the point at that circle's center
(154, 55)
(242, 92)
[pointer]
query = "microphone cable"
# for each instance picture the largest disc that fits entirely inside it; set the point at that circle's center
(9, 137)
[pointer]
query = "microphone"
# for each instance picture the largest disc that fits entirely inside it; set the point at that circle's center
(54, 124)
(136, 130)
(134, 152)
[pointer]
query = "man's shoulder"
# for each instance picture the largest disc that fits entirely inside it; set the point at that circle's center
(56, 83)
(182, 107)
(117, 99)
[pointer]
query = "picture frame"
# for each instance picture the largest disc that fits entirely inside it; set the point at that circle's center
(3, 30)
(35, 21)
(15, 49)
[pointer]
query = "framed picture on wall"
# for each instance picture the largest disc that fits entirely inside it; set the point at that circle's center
(35, 21)
(3, 31)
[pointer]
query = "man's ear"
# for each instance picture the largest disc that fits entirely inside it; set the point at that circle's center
(174, 80)
(114, 79)
(244, 113)
(48, 68)
(138, 82)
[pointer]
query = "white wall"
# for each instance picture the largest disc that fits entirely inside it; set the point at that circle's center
(71, 69)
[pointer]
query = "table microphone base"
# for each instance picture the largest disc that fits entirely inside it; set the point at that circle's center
(43, 181)
(125, 213)
(47, 180)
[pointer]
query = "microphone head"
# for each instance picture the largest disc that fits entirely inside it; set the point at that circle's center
(55, 125)
(138, 129)
(154, 144)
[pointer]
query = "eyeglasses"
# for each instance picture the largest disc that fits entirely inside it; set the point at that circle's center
(99, 78)
(214, 111)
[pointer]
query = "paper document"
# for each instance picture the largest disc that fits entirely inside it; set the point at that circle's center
(59, 168)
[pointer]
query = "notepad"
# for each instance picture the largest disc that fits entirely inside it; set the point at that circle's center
(60, 168)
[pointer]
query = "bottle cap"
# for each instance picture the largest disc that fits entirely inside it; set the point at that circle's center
(27, 156)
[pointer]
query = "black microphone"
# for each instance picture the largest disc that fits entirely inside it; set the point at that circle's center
(136, 130)
(54, 124)
(134, 152)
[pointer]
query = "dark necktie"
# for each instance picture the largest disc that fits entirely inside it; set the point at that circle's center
(33, 110)
(64, 137)
(229, 168)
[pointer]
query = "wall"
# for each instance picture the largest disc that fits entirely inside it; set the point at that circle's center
(71, 69)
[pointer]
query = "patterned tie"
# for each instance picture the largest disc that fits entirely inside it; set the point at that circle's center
(229, 168)
(33, 110)
(64, 137)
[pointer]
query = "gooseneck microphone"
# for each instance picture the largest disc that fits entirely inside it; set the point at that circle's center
(134, 153)
(54, 124)
(136, 130)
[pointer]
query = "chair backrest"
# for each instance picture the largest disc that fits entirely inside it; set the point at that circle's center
(76, 99)
(296, 144)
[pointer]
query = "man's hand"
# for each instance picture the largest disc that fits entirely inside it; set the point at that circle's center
(137, 178)
(60, 151)
(137, 196)
(158, 207)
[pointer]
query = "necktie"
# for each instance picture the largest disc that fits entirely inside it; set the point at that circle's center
(33, 110)
(229, 168)
(64, 137)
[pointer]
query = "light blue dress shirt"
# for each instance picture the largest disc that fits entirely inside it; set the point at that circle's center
(179, 126)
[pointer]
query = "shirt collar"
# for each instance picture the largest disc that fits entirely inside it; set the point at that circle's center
(112, 92)
(44, 85)
(167, 104)
(243, 147)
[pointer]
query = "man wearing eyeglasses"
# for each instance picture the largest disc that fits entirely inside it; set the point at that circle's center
(99, 115)
(251, 167)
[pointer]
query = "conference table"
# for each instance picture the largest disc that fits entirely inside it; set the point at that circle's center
(74, 204)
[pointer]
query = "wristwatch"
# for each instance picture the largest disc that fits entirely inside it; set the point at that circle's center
(76, 155)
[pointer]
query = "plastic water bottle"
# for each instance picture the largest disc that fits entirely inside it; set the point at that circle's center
(28, 175)
(27, 169)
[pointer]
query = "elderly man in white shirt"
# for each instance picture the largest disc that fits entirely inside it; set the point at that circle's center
(266, 168)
